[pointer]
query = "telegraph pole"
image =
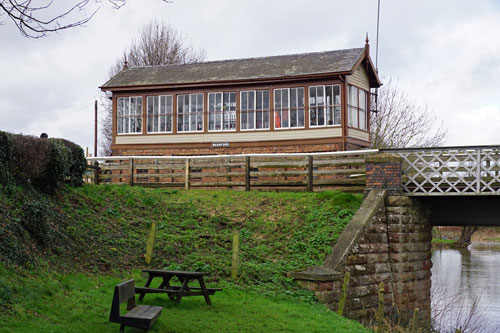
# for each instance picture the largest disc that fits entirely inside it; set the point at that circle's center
(95, 129)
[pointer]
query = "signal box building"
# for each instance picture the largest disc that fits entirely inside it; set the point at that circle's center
(312, 102)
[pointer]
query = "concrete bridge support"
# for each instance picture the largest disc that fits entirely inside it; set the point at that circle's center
(388, 240)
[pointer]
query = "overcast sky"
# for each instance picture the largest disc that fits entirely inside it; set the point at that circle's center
(444, 54)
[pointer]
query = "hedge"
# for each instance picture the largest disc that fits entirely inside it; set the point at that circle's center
(44, 163)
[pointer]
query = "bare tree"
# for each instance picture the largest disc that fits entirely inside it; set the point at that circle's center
(35, 19)
(158, 43)
(402, 123)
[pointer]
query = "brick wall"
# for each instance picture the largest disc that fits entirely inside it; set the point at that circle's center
(383, 171)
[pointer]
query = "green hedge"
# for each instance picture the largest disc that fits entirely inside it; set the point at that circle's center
(44, 163)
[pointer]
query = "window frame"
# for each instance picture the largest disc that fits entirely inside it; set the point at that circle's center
(289, 108)
(357, 108)
(129, 115)
(255, 110)
(159, 114)
(325, 106)
(190, 113)
(222, 111)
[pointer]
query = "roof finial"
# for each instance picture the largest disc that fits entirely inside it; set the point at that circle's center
(125, 63)
(367, 44)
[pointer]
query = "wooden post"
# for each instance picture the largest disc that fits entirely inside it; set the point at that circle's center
(150, 243)
(247, 173)
(310, 173)
(95, 129)
(414, 323)
(236, 255)
(380, 314)
(131, 172)
(343, 294)
(186, 177)
(96, 173)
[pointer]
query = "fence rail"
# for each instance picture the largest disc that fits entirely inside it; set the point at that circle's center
(450, 170)
(315, 171)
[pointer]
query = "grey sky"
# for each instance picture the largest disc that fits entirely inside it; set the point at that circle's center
(444, 54)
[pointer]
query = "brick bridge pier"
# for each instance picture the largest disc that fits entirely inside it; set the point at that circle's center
(388, 240)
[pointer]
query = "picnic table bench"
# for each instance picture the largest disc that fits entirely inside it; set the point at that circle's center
(175, 293)
(139, 316)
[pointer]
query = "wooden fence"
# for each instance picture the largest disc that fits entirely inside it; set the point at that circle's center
(315, 171)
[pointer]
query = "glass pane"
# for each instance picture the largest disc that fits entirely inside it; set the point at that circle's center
(293, 118)
(312, 96)
(277, 99)
(336, 94)
(362, 99)
(259, 100)
(337, 115)
(265, 99)
(120, 125)
(251, 101)
(266, 119)
(329, 115)
(126, 109)
(312, 117)
(301, 117)
(199, 102)
(277, 118)
(250, 119)
(180, 104)
(226, 101)
(169, 104)
(150, 106)
(362, 119)
(300, 97)
(120, 106)
(329, 95)
(320, 96)
(185, 108)
(218, 121)
(132, 125)
(211, 120)
(155, 127)
(353, 96)
(211, 102)
(125, 125)
(218, 101)
(293, 98)
(169, 123)
(132, 107)
(179, 122)
(163, 123)
(244, 101)
(243, 120)
(284, 99)
(163, 105)
(321, 116)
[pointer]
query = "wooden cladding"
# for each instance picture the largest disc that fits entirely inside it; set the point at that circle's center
(309, 172)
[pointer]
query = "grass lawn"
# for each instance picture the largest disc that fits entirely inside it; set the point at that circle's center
(48, 302)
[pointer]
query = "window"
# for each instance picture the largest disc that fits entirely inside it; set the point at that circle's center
(129, 115)
(159, 114)
(289, 108)
(324, 105)
(358, 105)
(254, 110)
(190, 113)
(222, 111)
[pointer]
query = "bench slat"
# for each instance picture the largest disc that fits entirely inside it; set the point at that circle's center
(148, 312)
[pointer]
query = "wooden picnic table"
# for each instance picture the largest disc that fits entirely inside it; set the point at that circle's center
(175, 293)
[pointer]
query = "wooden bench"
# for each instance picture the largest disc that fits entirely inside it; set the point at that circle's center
(139, 316)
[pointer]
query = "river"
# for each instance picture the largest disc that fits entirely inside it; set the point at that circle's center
(462, 277)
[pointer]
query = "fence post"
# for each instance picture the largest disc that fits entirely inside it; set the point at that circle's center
(96, 173)
(247, 173)
(131, 172)
(150, 243)
(380, 314)
(343, 294)
(186, 177)
(236, 255)
(310, 173)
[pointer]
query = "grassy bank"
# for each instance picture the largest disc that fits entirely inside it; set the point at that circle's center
(72, 248)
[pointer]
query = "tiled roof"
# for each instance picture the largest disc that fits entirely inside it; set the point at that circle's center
(239, 69)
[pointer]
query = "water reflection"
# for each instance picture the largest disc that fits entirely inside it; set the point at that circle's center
(472, 274)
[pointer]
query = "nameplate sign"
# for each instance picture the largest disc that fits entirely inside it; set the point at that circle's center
(220, 144)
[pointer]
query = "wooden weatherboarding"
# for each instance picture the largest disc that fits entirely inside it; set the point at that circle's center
(175, 293)
(139, 316)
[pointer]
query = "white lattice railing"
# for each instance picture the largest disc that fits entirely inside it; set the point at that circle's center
(451, 170)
